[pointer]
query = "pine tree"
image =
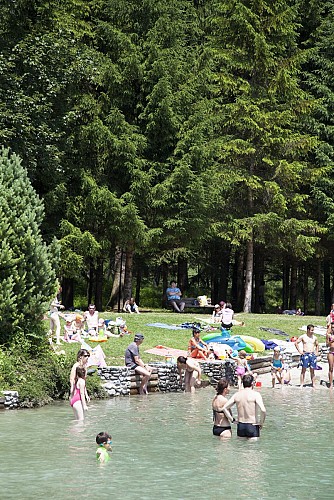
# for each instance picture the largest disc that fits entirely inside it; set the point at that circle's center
(26, 275)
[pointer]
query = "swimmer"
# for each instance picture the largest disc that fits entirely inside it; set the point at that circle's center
(249, 403)
(221, 425)
(330, 355)
(276, 366)
(78, 399)
(308, 356)
(103, 440)
(192, 372)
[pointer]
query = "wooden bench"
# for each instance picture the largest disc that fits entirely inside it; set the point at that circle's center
(193, 304)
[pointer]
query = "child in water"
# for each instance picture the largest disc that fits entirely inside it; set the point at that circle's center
(276, 367)
(103, 440)
(78, 395)
(242, 367)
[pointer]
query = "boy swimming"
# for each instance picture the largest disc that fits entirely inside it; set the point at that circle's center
(103, 439)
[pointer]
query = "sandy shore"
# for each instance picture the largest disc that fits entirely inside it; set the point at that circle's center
(321, 375)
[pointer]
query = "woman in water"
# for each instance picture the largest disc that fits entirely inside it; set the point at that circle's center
(192, 373)
(221, 425)
(330, 355)
(78, 398)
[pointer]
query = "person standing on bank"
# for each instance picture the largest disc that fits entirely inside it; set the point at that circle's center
(134, 362)
(174, 297)
(249, 403)
(308, 356)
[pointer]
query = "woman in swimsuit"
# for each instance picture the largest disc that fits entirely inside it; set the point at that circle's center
(330, 355)
(78, 399)
(221, 425)
(197, 348)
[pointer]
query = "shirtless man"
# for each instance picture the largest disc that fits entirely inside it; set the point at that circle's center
(308, 356)
(221, 426)
(330, 355)
(249, 403)
(192, 372)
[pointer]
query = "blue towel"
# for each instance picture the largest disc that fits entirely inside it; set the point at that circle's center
(165, 326)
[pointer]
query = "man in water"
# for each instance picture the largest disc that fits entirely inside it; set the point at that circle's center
(249, 403)
(308, 356)
(134, 362)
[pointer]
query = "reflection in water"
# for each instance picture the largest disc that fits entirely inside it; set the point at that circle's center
(163, 448)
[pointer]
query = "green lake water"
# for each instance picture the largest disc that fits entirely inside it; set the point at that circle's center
(163, 448)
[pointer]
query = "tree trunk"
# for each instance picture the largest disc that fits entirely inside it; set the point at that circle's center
(164, 273)
(182, 274)
(138, 282)
(114, 295)
(318, 289)
(305, 288)
(99, 285)
(67, 294)
(286, 287)
(90, 284)
(327, 285)
(127, 293)
(293, 286)
(249, 276)
(258, 279)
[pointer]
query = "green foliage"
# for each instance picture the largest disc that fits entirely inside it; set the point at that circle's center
(26, 274)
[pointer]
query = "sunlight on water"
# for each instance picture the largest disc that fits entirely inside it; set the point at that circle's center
(163, 447)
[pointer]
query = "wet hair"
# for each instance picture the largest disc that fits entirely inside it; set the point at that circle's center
(247, 380)
(182, 359)
(102, 437)
(82, 353)
(309, 327)
(222, 385)
(79, 373)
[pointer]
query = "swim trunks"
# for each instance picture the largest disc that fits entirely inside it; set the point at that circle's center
(248, 430)
(217, 429)
(308, 360)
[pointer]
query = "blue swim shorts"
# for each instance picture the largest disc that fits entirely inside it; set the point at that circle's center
(308, 360)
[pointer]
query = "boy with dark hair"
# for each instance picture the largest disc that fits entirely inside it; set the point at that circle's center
(103, 439)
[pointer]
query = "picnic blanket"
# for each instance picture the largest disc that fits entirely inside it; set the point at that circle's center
(275, 331)
(318, 330)
(166, 326)
(161, 350)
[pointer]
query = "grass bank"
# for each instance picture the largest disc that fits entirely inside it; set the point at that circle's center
(43, 376)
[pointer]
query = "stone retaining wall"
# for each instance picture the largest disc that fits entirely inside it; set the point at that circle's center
(9, 400)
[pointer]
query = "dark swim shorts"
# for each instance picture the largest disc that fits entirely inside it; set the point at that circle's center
(217, 429)
(248, 430)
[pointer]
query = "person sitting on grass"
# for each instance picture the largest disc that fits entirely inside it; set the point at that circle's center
(130, 306)
(197, 348)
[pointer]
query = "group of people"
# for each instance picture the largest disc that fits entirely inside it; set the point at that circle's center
(224, 314)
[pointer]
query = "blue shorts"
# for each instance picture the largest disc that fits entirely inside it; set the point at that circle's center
(308, 360)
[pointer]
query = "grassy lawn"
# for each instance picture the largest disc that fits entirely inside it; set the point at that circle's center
(114, 348)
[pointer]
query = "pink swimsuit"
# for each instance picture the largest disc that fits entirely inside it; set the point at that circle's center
(76, 397)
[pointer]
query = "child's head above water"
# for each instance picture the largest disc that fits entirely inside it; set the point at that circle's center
(103, 438)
